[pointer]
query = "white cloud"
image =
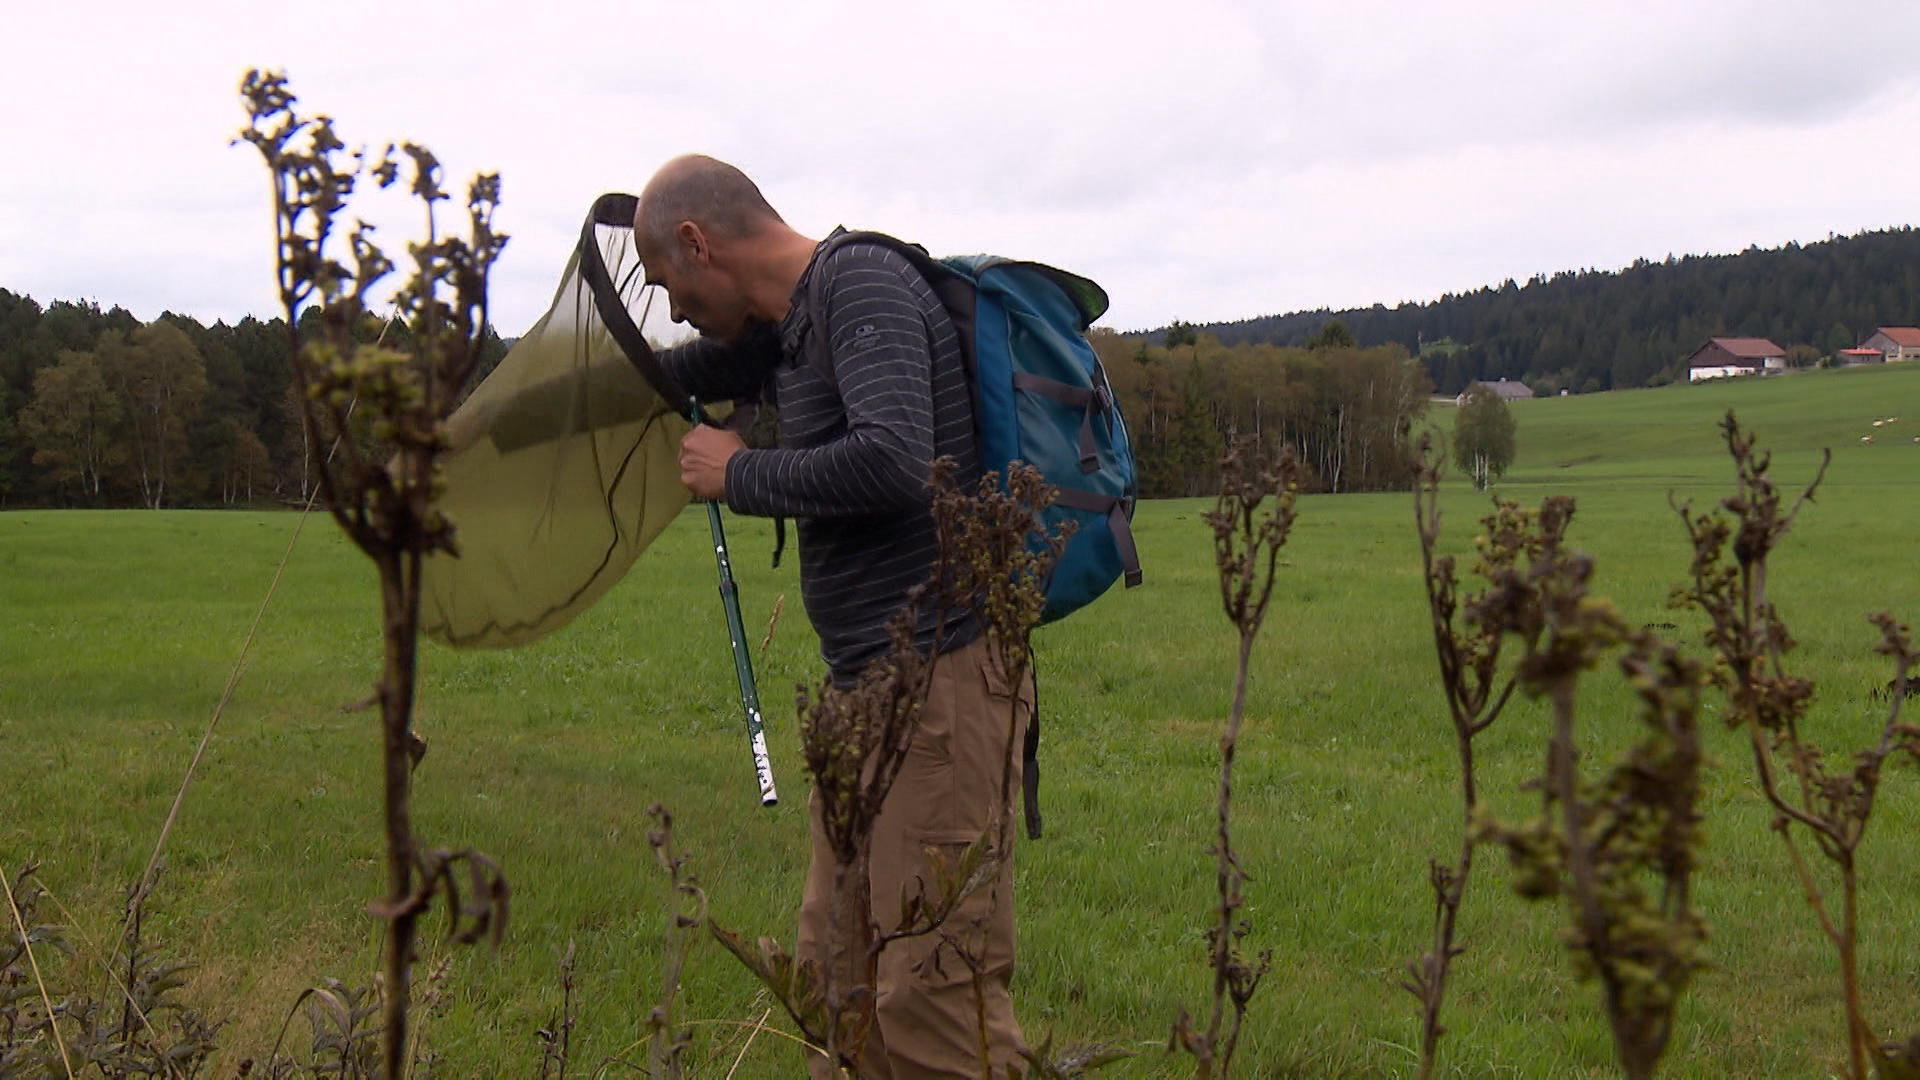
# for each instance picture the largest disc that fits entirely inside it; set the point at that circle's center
(1205, 160)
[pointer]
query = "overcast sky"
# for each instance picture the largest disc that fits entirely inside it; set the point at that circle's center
(1204, 160)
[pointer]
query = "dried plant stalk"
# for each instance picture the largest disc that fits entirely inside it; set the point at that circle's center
(1468, 640)
(1251, 520)
(388, 407)
(992, 559)
(1619, 849)
(1810, 799)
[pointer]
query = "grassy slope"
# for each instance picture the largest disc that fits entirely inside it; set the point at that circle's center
(120, 629)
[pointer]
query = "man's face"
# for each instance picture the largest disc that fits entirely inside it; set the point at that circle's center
(698, 293)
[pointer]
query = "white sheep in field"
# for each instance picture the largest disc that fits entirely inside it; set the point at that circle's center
(1866, 439)
(1877, 423)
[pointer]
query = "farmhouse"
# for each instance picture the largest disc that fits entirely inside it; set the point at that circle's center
(1724, 356)
(1862, 355)
(1895, 343)
(1508, 389)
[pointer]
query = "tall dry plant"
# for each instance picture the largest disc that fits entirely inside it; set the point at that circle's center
(1469, 639)
(1812, 798)
(388, 408)
(992, 559)
(667, 1037)
(1620, 848)
(135, 1028)
(556, 1038)
(996, 554)
(1251, 520)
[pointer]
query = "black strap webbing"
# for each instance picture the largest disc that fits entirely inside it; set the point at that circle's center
(1088, 400)
(1123, 540)
(1079, 397)
(1116, 508)
(1030, 760)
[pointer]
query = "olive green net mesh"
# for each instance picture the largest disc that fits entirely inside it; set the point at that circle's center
(563, 464)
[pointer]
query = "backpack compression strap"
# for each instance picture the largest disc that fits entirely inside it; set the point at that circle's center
(1088, 401)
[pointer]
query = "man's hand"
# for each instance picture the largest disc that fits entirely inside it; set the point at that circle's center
(704, 454)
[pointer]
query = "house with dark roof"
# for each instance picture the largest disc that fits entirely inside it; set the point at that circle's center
(1508, 389)
(1896, 343)
(1722, 357)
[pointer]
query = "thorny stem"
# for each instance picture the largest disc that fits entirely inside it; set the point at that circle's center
(1834, 809)
(666, 1035)
(1763, 765)
(1596, 844)
(26, 944)
(1859, 1034)
(1811, 888)
(387, 510)
(1247, 542)
(1227, 872)
(1563, 775)
(1467, 688)
(399, 578)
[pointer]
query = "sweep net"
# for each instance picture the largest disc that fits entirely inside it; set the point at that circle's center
(563, 464)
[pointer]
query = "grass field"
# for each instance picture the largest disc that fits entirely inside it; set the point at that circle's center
(117, 631)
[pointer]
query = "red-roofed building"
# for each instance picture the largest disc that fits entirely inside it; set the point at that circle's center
(1895, 343)
(1726, 356)
(1862, 355)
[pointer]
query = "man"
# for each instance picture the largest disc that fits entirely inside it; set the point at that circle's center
(852, 468)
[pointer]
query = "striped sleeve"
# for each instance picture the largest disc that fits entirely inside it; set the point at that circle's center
(714, 370)
(883, 370)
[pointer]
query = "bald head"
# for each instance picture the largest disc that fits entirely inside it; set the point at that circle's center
(707, 236)
(710, 193)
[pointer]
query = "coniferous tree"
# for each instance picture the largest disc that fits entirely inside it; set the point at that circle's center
(1588, 330)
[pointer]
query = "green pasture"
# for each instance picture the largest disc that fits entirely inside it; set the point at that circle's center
(118, 630)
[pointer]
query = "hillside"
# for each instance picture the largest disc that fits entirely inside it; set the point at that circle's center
(1669, 436)
(1590, 330)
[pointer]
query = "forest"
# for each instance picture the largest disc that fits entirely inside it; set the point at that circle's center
(99, 409)
(1347, 412)
(1591, 330)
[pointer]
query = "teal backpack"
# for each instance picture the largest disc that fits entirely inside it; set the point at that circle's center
(1039, 396)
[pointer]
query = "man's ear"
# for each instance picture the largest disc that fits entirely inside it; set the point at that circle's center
(693, 244)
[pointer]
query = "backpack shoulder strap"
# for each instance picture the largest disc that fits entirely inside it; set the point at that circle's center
(951, 284)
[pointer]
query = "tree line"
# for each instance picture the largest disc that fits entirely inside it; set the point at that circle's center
(1346, 411)
(1591, 330)
(98, 409)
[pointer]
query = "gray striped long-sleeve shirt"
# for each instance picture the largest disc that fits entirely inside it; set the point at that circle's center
(855, 451)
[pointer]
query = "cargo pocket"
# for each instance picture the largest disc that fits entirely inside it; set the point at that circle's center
(924, 792)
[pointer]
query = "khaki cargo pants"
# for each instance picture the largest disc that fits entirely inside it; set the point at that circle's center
(927, 1023)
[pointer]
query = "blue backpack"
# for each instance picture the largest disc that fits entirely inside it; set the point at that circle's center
(1039, 396)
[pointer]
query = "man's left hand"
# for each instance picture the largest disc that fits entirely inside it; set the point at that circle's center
(704, 454)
